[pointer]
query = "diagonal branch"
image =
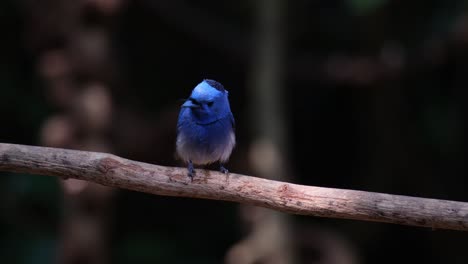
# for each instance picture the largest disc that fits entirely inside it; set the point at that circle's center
(110, 170)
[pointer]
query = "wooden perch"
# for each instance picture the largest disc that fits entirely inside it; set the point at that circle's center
(110, 170)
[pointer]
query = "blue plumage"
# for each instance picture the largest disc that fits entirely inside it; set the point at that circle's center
(205, 129)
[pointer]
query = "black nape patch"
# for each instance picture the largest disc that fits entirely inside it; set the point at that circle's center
(215, 84)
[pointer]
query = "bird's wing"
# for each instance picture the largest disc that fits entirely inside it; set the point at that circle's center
(233, 123)
(181, 120)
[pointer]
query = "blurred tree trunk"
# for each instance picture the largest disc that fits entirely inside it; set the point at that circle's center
(76, 68)
(269, 240)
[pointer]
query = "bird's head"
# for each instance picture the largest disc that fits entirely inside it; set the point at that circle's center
(208, 102)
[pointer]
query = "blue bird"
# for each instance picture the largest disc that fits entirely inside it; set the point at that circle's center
(205, 129)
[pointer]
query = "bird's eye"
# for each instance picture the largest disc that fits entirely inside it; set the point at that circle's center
(194, 101)
(209, 104)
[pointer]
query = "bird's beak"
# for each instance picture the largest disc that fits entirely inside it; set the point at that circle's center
(190, 104)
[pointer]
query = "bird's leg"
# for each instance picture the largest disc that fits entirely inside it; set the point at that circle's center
(222, 169)
(191, 171)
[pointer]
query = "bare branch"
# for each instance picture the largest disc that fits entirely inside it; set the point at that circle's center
(110, 170)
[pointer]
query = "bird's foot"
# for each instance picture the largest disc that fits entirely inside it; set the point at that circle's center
(223, 170)
(191, 171)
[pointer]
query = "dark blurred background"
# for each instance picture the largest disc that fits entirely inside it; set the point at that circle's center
(356, 94)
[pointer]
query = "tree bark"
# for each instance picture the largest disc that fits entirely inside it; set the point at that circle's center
(110, 170)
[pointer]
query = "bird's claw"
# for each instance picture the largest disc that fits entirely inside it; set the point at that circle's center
(191, 171)
(223, 170)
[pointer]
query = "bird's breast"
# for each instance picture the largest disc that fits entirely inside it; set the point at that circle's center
(204, 144)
